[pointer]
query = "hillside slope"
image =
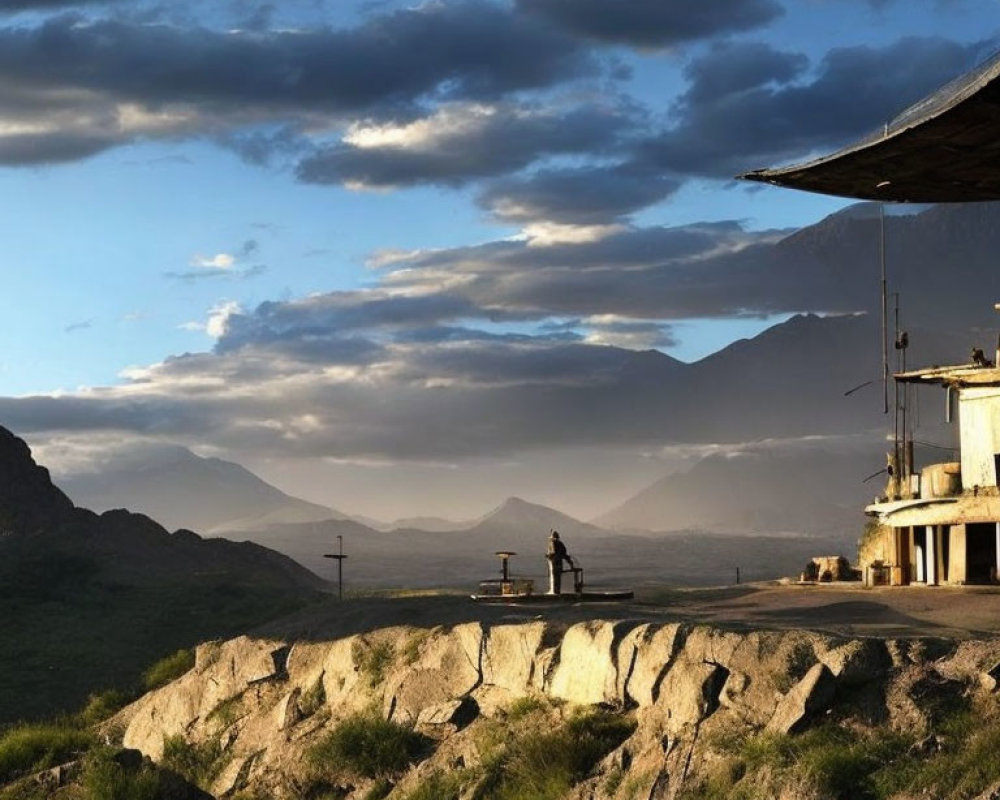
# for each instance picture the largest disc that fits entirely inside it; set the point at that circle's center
(89, 600)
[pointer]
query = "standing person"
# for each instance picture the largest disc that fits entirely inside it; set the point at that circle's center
(556, 554)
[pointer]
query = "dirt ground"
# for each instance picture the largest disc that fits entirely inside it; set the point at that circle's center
(845, 609)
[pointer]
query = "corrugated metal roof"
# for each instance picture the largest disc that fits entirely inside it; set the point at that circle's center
(944, 149)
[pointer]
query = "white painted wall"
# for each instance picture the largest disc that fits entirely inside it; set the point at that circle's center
(979, 430)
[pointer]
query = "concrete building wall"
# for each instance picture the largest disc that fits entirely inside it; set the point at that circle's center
(979, 429)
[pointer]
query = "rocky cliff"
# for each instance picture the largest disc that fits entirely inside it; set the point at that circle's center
(612, 709)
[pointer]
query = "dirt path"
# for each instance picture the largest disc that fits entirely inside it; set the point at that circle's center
(846, 610)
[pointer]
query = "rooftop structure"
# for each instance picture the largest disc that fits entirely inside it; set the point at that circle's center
(943, 149)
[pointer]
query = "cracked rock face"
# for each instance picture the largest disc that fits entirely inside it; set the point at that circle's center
(266, 702)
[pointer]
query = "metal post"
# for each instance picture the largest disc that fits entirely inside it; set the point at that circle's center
(885, 309)
(737, 574)
(339, 556)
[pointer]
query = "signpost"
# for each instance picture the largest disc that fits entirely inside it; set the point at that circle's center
(340, 565)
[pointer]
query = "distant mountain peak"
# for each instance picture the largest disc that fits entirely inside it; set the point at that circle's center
(28, 498)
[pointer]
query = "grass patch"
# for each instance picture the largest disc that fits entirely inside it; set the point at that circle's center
(168, 669)
(545, 765)
(25, 749)
(199, 764)
(227, 711)
(524, 706)
(313, 698)
(379, 790)
(834, 761)
(102, 705)
(104, 778)
(373, 660)
(368, 746)
(440, 786)
(411, 650)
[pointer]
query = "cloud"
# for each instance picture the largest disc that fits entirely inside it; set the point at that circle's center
(612, 330)
(219, 316)
(79, 326)
(582, 196)
(654, 23)
(80, 86)
(506, 347)
(221, 261)
(222, 265)
(463, 142)
(750, 106)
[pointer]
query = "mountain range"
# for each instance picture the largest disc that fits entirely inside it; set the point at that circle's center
(182, 490)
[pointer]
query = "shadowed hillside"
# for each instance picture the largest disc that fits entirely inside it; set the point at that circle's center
(89, 600)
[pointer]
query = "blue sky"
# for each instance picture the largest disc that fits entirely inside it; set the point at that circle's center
(244, 199)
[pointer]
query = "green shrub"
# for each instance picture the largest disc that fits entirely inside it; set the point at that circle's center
(103, 705)
(168, 669)
(30, 748)
(367, 745)
(105, 779)
(196, 763)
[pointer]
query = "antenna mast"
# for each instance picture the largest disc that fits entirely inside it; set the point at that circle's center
(885, 311)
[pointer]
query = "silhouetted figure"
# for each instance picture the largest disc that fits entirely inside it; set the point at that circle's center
(979, 359)
(556, 554)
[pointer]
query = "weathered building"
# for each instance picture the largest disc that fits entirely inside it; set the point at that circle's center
(940, 524)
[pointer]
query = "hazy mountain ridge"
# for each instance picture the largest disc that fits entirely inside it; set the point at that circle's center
(812, 490)
(182, 490)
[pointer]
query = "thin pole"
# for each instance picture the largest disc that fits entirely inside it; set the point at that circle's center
(340, 568)
(899, 449)
(885, 311)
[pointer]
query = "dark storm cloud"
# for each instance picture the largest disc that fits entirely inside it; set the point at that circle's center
(731, 67)
(585, 196)
(462, 143)
(456, 50)
(51, 148)
(725, 126)
(654, 23)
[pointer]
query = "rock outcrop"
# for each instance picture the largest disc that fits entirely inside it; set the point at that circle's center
(267, 703)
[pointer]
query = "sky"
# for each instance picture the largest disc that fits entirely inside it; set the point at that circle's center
(334, 240)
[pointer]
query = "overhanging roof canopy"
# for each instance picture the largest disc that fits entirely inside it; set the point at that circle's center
(944, 149)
